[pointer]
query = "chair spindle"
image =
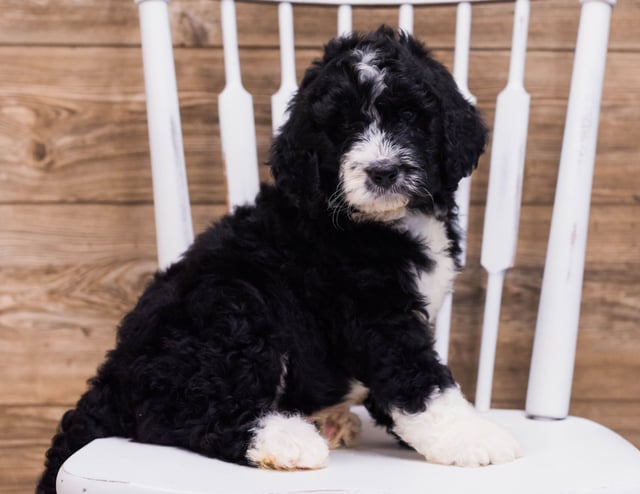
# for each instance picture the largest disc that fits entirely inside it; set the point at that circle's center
(461, 75)
(237, 127)
(405, 17)
(174, 230)
(345, 19)
(502, 213)
(554, 348)
(288, 84)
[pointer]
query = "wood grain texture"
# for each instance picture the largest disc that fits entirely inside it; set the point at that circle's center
(73, 120)
(25, 429)
(20, 467)
(553, 23)
(70, 352)
(77, 240)
(59, 314)
(608, 331)
(25, 434)
(44, 236)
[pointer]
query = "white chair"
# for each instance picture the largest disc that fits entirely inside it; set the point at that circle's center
(561, 454)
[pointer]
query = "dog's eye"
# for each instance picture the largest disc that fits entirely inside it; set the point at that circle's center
(409, 117)
(352, 127)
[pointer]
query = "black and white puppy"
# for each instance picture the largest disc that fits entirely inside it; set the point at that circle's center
(319, 296)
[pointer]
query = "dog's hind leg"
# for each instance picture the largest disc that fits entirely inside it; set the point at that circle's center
(338, 425)
(78, 427)
(228, 409)
(257, 436)
(287, 442)
(73, 433)
(274, 440)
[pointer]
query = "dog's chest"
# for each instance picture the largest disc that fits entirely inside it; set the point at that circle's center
(437, 281)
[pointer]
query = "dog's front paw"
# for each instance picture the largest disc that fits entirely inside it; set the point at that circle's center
(470, 442)
(287, 443)
(450, 432)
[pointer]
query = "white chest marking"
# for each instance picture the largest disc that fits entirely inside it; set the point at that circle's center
(369, 72)
(437, 282)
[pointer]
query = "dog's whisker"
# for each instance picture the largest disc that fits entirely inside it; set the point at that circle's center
(336, 199)
(336, 204)
(416, 185)
(427, 192)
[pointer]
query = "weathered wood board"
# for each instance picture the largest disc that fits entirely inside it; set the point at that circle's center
(77, 241)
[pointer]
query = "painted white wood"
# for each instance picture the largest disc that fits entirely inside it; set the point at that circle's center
(288, 84)
(443, 329)
(237, 125)
(373, 3)
(174, 230)
(461, 76)
(560, 457)
(345, 19)
(554, 346)
(462, 47)
(490, 324)
(405, 17)
(502, 213)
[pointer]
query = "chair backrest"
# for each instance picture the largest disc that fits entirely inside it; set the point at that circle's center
(556, 331)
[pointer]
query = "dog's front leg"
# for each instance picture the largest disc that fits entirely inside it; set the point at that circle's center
(449, 431)
(423, 405)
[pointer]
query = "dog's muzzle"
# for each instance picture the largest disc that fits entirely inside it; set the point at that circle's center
(378, 176)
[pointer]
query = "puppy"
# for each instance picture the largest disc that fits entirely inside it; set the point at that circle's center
(318, 297)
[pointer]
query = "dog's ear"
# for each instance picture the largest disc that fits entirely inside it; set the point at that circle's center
(294, 166)
(302, 155)
(464, 134)
(465, 137)
(294, 159)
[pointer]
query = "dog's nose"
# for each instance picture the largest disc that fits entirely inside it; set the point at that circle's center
(383, 174)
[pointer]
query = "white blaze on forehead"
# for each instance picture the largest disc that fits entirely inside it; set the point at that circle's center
(369, 72)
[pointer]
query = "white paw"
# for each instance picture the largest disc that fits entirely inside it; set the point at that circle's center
(471, 442)
(283, 442)
(450, 432)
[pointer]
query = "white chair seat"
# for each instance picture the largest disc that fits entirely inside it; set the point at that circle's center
(567, 456)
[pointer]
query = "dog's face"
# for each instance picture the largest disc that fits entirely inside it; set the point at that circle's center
(377, 127)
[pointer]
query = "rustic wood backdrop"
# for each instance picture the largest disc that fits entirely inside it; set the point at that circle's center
(76, 221)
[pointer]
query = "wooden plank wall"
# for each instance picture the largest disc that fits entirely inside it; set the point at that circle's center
(76, 224)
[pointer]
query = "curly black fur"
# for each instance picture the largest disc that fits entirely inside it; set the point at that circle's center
(199, 359)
